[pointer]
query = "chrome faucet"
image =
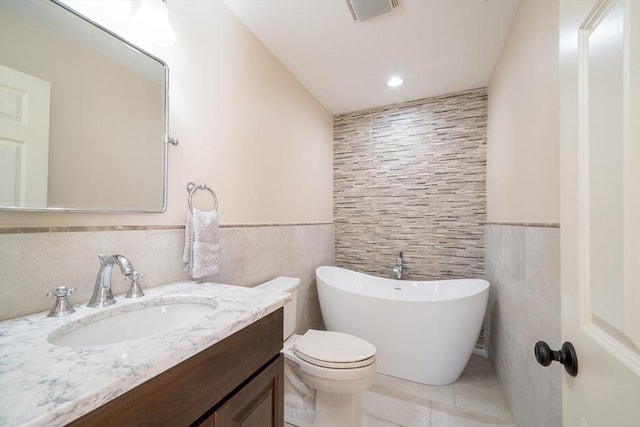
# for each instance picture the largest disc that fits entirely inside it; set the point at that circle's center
(102, 295)
(398, 268)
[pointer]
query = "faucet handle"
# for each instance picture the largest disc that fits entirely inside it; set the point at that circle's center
(135, 291)
(102, 257)
(62, 306)
(135, 276)
(61, 291)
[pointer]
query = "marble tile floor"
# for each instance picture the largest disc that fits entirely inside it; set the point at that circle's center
(475, 400)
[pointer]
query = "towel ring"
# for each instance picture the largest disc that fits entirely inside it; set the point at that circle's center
(192, 188)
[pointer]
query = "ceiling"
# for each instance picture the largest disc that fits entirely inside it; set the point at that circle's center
(436, 46)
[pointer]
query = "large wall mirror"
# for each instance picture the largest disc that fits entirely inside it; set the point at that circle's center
(83, 115)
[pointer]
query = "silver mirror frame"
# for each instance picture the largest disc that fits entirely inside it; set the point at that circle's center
(166, 140)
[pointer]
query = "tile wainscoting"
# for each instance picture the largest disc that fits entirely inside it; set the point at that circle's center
(523, 267)
(411, 177)
(34, 261)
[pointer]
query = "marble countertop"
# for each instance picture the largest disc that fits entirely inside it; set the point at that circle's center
(45, 384)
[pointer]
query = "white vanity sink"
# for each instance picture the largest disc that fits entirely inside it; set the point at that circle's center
(132, 322)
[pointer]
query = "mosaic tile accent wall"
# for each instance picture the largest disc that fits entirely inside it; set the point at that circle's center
(411, 177)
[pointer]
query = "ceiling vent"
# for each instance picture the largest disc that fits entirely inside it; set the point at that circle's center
(365, 9)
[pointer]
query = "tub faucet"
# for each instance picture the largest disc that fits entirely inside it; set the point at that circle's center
(102, 295)
(398, 268)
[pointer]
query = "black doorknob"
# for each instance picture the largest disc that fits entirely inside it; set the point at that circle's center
(566, 356)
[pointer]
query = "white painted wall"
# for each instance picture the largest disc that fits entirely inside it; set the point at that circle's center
(246, 126)
(522, 130)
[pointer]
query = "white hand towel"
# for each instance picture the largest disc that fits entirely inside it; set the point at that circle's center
(201, 244)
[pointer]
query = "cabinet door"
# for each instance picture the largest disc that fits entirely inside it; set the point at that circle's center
(259, 403)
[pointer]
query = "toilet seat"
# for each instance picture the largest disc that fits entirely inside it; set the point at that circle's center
(334, 350)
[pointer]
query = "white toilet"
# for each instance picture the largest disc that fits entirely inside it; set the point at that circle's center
(325, 372)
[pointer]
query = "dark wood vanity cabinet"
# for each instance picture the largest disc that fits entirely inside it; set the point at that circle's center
(236, 382)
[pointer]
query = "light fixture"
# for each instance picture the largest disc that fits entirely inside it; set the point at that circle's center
(395, 81)
(111, 14)
(150, 24)
(143, 22)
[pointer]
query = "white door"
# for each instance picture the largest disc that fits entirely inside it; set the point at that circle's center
(24, 139)
(599, 51)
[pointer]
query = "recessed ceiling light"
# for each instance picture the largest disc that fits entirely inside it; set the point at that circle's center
(395, 81)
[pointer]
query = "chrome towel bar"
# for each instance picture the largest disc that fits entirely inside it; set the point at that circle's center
(192, 188)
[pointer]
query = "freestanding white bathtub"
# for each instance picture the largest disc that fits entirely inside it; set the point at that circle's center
(424, 331)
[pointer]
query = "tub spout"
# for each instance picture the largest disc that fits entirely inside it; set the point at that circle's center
(398, 268)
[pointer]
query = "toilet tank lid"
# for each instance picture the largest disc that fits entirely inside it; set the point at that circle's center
(280, 284)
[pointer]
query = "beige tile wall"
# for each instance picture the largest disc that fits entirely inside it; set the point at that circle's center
(523, 267)
(411, 177)
(31, 264)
